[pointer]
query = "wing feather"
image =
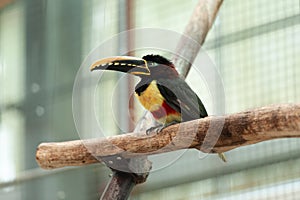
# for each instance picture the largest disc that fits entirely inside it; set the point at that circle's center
(182, 98)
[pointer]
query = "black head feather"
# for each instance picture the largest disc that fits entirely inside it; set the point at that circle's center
(158, 59)
(163, 68)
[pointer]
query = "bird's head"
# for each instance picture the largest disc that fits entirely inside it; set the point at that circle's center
(150, 66)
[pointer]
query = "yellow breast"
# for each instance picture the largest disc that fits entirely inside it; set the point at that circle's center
(153, 101)
(151, 98)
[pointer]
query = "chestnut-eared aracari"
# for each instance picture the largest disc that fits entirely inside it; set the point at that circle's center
(161, 90)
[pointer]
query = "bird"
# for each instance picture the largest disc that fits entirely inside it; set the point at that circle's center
(160, 90)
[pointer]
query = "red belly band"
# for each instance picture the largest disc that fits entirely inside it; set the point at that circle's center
(163, 111)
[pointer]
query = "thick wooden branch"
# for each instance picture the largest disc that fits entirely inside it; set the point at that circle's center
(194, 34)
(240, 129)
(119, 187)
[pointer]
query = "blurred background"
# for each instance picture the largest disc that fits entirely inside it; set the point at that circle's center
(254, 44)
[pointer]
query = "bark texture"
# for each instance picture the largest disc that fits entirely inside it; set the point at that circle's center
(212, 134)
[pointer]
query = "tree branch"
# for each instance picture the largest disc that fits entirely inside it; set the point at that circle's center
(119, 187)
(240, 129)
(194, 34)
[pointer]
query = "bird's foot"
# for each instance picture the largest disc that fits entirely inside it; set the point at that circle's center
(171, 123)
(159, 128)
(155, 129)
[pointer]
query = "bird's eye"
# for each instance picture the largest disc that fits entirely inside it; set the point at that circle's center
(152, 64)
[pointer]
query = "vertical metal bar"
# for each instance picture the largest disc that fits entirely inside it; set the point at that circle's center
(123, 82)
(130, 44)
(34, 42)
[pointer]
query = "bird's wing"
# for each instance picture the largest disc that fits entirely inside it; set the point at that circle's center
(182, 98)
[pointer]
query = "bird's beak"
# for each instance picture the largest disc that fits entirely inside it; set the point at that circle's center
(127, 64)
